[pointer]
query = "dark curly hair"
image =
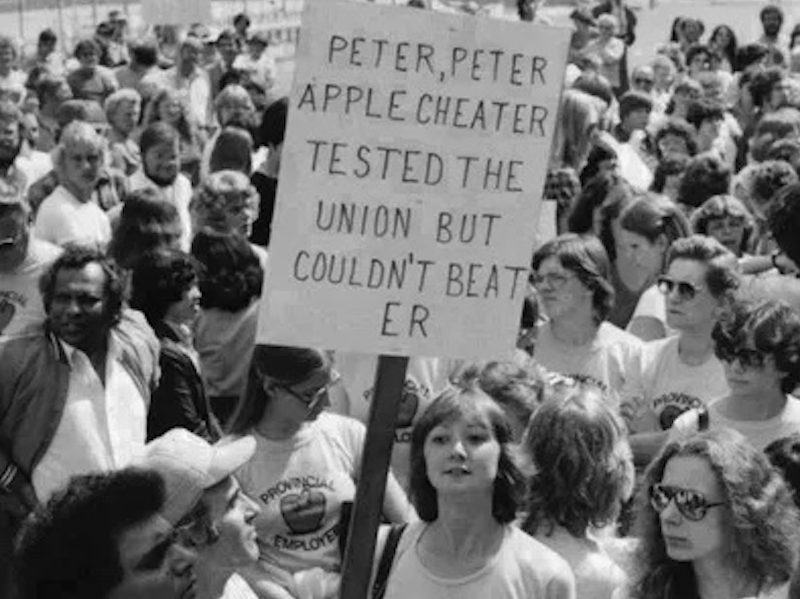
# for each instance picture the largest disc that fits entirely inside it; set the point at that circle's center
(159, 280)
(703, 110)
(231, 277)
(667, 167)
(147, 223)
(583, 467)
(783, 219)
(76, 257)
(768, 178)
(705, 176)
(763, 521)
(724, 206)
(771, 326)
(450, 405)
(762, 82)
(679, 128)
(784, 454)
(585, 256)
(722, 276)
(68, 548)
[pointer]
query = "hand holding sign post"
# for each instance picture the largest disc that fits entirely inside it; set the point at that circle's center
(411, 177)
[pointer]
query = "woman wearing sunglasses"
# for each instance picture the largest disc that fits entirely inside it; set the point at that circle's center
(759, 346)
(681, 372)
(716, 521)
(571, 275)
(306, 462)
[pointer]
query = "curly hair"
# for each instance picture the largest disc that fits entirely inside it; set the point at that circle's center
(721, 264)
(76, 257)
(450, 405)
(147, 223)
(769, 177)
(772, 326)
(763, 520)
(88, 518)
(585, 256)
(231, 277)
(159, 280)
(762, 82)
(783, 219)
(723, 206)
(705, 176)
(679, 128)
(222, 199)
(583, 467)
(784, 454)
(700, 111)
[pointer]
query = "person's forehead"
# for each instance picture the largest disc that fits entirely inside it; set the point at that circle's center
(135, 542)
(552, 264)
(89, 276)
(82, 146)
(687, 270)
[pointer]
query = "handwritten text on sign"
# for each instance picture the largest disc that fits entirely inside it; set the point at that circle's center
(414, 161)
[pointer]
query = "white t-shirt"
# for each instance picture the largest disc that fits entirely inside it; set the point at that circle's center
(661, 386)
(760, 433)
(300, 484)
(522, 569)
(237, 588)
(179, 193)
(20, 301)
(425, 379)
(606, 359)
(102, 428)
(63, 219)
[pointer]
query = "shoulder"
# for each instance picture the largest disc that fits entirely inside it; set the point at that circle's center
(43, 252)
(537, 558)
(343, 427)
(609, 334)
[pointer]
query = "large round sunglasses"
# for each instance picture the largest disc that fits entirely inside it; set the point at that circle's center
(692, 505)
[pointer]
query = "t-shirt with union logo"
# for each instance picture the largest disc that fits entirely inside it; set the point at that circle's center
(300, 484)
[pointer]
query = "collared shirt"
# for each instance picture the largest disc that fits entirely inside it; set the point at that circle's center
(63, 219)
(102, 428)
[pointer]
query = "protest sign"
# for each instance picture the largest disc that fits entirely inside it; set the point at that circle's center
(176, 12)
(410, 183)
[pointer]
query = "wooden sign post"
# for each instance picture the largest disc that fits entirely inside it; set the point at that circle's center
(411, 177)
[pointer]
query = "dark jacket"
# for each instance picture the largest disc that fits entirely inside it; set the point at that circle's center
(34, 382)
(180, 398)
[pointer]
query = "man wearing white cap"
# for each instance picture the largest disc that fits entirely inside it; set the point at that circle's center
(174, 526)
(219, 524)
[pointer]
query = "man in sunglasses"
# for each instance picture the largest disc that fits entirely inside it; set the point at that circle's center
(23, 259)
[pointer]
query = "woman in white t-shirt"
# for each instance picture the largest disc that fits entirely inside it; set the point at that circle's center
(467, 489)
(716, 520)
(759, 346)
(647, 229)
(571, 275)
(583, 471)
(681, 372)
(306, 463)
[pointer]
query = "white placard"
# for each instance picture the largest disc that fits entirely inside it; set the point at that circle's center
(410, 182)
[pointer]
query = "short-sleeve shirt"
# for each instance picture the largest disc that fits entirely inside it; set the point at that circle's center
(300, 484)
(661, 386)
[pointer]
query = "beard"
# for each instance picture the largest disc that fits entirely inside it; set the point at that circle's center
(160, 180)
(8, 154)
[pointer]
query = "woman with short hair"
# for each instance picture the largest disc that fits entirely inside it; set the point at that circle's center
(583, 471)
(571, 275)
(123, 109)
(467, 489)
(716, 520)
(164, 288)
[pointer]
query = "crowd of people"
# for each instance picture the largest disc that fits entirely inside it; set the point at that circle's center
(640, 441)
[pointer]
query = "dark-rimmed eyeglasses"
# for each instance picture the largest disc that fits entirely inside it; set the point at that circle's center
(311, 399)
(686, 290)
(692, 505)
(746, 356)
